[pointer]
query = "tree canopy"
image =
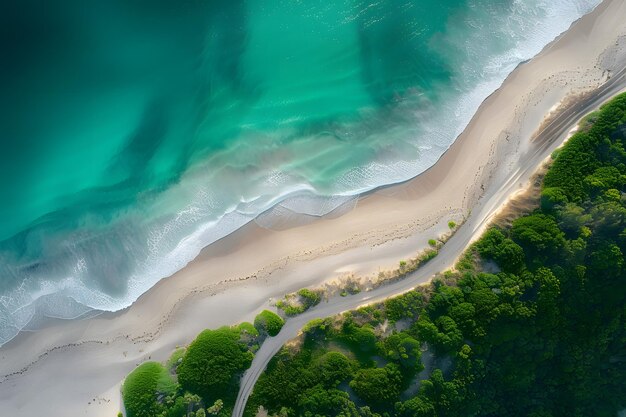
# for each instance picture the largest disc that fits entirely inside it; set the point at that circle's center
(542, 335)
(212, 363)
(269, 322)
(142, 388)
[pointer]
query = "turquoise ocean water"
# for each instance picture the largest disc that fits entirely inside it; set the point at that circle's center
(134, 133)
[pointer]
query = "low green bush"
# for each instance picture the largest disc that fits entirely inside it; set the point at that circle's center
(269, 322)
(289, 309)
(248, 328)
(309, 298)
(143, 387)
(213, 362)
(175, 358)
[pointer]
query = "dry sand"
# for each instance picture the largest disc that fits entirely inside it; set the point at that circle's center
(74, 368)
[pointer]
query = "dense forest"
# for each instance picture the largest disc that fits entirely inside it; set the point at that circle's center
(532, 322)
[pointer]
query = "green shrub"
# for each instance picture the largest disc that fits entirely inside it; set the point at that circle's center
(432, 242)
(248, 328)
(269, 322)
(314, 325)
(428, 255)
(378, 385)
(506, 253)
(142, 387)
(334, 368)
(290, 309)
(172, 362)
(451, 224)
(406, 305)
(213, 362)
(217, 406)
(361, 337)
(538, 232)
(551, 197)
(318, 401)
(309, 298)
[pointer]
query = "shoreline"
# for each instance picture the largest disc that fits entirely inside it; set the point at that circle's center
(233, 279)
(188, 245)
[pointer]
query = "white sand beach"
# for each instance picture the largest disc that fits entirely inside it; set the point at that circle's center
(75, 368)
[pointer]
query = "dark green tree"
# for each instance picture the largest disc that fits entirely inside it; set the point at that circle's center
(212, 364)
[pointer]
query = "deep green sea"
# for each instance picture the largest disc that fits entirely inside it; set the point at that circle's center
(136, 132)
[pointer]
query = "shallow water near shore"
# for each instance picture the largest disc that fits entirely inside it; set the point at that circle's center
(137, 133)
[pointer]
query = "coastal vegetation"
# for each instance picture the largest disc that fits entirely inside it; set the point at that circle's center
(268, 322)
(531, 322)
(201, 380)
(144, 386)
(301, 301)
(297, 303)
(213, 362)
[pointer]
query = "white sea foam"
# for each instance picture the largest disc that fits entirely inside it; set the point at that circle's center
(172, 242)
